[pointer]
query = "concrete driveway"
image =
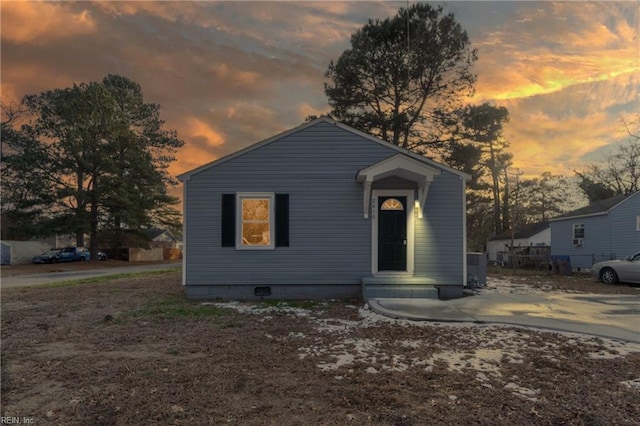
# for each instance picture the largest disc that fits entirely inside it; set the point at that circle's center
(53, 277)
(613, 316)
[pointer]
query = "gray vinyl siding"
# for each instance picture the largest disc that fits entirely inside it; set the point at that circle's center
(330, 240)
(439, 234)
(625, 238)
(608, 236)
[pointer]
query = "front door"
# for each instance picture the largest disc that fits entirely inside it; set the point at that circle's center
(392, 234)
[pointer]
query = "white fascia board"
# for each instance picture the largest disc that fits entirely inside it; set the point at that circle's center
(411, 154)
(403, 166)
(187, 175)
(394, 166)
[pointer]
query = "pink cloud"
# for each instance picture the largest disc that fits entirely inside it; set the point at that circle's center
(40, 22)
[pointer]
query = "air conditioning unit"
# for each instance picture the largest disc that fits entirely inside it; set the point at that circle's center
(577, 241)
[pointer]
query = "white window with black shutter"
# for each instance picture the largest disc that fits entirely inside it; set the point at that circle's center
(255, 221)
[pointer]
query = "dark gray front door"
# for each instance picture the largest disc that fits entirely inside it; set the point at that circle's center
(392, 233)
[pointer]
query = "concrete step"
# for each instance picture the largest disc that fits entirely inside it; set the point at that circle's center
(400, 291)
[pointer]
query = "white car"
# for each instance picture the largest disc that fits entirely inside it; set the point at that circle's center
(613, 271)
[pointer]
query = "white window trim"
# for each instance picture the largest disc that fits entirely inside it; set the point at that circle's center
(272, 220)
(573, 230)
(638, 223)
(409, 193)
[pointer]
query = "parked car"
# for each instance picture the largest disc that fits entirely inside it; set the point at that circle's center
(50, 256)
(67, 254)
(613, 271)
(86, 255)
(72, 254)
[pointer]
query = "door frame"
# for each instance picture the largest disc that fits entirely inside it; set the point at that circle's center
(410, 194)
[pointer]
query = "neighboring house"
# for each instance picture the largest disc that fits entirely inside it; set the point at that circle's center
(324, 211)
(64, 240)
(608, 229)
(161, 238)
(533, 234)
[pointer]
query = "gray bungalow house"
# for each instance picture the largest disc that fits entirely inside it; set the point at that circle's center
(323, 211)
(608, 229)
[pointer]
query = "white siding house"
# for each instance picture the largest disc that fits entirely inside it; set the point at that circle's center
(534, 234)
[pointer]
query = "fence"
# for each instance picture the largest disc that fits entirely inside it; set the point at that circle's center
(142, 255)
(529, 257)
(540, 258)
(586, 261)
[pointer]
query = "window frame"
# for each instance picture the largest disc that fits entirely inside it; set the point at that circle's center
(240, 196)
(577, 226)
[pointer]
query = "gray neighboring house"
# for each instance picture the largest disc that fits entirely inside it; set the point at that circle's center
(608, 229)
(324, 211)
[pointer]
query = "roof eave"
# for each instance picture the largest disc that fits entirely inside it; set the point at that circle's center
(580, 216)
(187, 175)
(418, 157)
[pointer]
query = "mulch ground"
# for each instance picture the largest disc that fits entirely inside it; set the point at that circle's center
(134, 351)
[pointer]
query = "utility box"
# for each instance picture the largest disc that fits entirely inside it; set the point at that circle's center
(476, 269)
(561, 265)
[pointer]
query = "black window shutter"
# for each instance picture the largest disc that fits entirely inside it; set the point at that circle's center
(282, 220)
(228, 225)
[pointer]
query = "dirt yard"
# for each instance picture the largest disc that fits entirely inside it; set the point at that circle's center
(133, 351)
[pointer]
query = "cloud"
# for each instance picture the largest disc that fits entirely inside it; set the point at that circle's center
(9, 94)
(559, 52)
(305, 110)
(39, 22)
(229, 74)
(562, 131)
(197, 128)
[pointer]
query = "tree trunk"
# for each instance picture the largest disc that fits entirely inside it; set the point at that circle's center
(93, 248)
(79, 238)
(506, 212)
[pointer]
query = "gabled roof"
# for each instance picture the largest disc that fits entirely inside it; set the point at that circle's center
(526, 231)
(598, 208)
(154, 233)
(186, 176)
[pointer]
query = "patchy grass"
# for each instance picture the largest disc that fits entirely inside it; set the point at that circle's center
(172, 307)
(509, 271)
(106, 278)
(174, 361)
(300, 304)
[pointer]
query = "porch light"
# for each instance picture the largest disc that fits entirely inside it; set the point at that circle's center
(416, 204)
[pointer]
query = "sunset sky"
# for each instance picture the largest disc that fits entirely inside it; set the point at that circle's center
(229, 74)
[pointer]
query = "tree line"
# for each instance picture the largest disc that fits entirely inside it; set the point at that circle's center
(87, 159)
(405, 79)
